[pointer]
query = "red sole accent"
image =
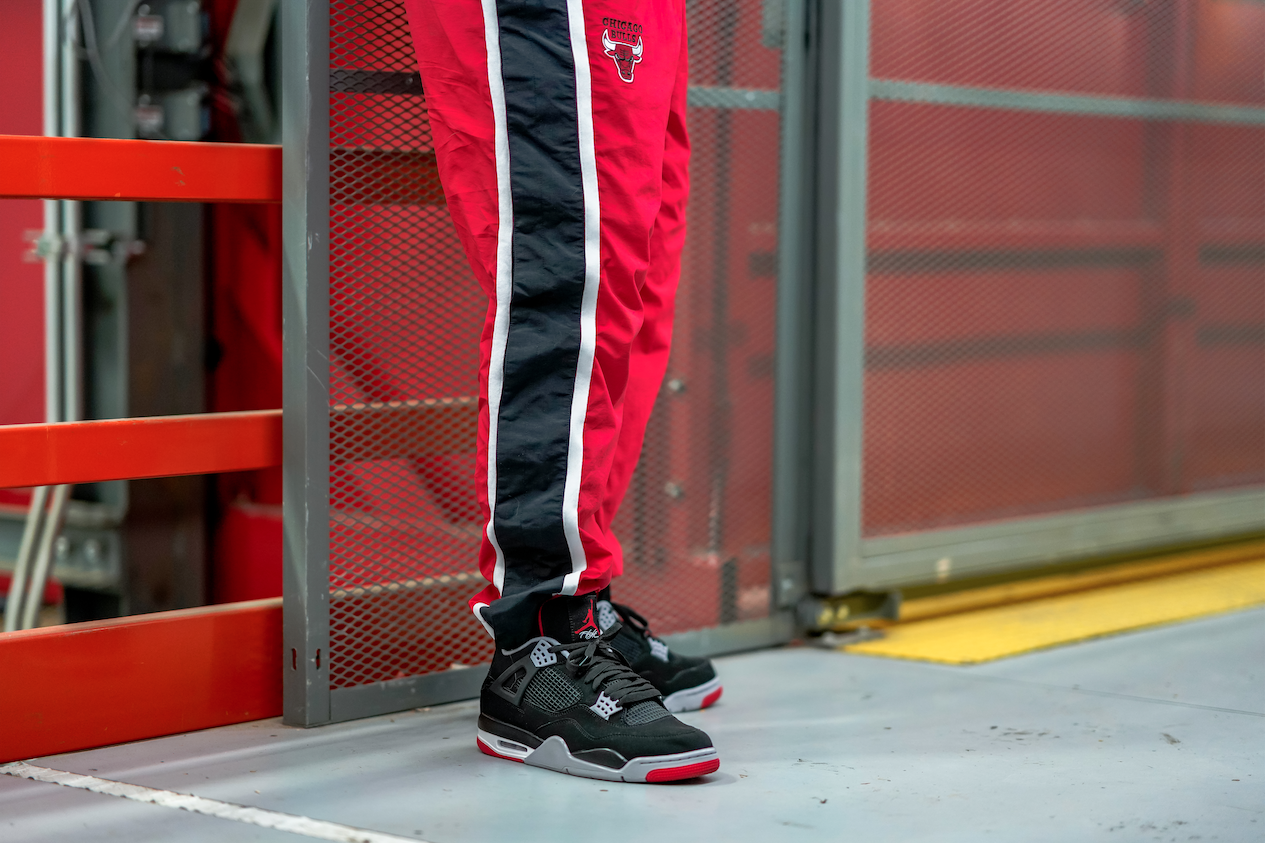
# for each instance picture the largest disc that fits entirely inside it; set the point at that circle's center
(711, 698)
(487, 750)
(688, 771)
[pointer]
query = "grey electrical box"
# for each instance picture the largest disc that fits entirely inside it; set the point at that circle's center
(182, 115)
(182, 29)
(185, 113)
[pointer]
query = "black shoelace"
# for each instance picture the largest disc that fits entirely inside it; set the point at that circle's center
(635, 620)
(602, 668)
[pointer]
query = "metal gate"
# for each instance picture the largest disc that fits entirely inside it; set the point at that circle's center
(383, 323)
(1050, 312)
(969, 286)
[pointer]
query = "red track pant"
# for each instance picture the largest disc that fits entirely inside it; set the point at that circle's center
(559, 131)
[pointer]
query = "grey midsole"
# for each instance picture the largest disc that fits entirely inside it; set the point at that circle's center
(554, 754)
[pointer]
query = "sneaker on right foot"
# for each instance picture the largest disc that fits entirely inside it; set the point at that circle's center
(575, 706)
(687, 683)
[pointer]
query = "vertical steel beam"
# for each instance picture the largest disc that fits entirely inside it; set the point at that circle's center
(841, 163)
(305, 379)
(792, 430)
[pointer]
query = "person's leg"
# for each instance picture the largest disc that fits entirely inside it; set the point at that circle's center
(550, 121)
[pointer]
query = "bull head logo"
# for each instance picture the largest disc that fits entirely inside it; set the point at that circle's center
(625, 55)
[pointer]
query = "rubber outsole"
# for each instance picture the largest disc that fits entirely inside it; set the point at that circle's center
(553, 754)
(689, 771)
(693, 699)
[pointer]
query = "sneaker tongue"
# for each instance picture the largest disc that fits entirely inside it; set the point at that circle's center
(570, 620)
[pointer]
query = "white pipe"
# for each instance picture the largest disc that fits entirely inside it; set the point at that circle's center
(17, 588)
(72, 313)
(44, 558)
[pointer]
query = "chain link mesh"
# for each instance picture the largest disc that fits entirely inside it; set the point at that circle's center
(1062, 310)
(405, 318)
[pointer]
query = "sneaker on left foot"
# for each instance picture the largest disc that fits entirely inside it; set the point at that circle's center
(567, 701)
(687, 683)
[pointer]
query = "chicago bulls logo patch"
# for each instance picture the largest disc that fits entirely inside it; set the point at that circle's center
(622, 43)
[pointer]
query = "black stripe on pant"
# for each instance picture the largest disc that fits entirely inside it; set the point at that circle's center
(543, 343)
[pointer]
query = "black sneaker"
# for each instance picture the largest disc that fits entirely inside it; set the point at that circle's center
(573, 705)
(687, 683)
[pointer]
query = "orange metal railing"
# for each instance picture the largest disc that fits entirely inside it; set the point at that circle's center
(137, 170)
(129, 449)
(173, 671)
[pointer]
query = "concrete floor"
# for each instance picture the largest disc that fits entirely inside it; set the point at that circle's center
(1158, 735)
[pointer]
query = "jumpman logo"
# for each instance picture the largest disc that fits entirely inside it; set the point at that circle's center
(588, 629)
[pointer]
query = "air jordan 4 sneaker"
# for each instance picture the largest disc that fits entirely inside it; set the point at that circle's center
(687, 683)
(568, 701)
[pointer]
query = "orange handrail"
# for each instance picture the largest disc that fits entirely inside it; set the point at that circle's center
(34, 167)
(128, 449)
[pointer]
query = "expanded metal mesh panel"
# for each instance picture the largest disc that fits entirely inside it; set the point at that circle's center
(405, 317)
(1062, 309)
(696, 523)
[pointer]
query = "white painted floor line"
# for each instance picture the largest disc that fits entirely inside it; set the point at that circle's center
(317, 829)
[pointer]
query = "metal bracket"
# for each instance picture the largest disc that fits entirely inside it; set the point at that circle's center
(94, 246)
(840, 614)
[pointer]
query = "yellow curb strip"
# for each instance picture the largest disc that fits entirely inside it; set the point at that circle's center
(922, 608)
(1003, 631)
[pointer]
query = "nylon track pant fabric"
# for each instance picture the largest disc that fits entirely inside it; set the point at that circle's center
(560, 140)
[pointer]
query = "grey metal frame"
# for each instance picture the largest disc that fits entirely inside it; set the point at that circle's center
(841, 559)
(891, 561)
(841, 163)
(1045, 101)
(305, 365)
(306, 84)
(792, 442)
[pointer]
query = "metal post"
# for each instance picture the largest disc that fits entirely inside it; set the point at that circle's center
(52, 216)
(62, 271)
(792, 444)
(840, 285)
(305, 312)
(71, 227)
